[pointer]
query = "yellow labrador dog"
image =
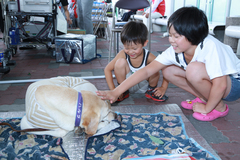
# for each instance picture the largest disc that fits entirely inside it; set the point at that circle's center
(63, 103)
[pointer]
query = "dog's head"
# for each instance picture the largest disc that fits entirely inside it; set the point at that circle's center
(96, 113)
(107, 116)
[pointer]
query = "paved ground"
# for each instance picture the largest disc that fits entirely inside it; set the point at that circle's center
(221, 134)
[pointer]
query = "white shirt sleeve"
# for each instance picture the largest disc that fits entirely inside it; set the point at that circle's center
(218, 58)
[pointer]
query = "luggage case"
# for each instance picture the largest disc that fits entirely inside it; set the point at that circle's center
(73, 48)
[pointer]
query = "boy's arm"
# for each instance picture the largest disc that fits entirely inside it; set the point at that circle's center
(160, 91)
(109, 69)
(134, 79)
(109, 77)
(165, 84)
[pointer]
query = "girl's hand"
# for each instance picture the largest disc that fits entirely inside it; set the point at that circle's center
(159, 91)
(107, 95)
(199, 107)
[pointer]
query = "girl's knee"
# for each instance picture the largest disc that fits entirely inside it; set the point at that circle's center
(196, 71)
(169, 71)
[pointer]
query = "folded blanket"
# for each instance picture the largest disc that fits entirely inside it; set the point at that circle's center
(143, 135)
(20, 145)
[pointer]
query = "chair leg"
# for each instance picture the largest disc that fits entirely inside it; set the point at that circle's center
(108, 32)
(110, 47)
(114, 43)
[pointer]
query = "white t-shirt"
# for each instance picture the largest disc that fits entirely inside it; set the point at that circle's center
(219, 58)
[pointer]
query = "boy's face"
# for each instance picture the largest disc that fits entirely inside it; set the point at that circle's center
(133, 50)
(179, 42)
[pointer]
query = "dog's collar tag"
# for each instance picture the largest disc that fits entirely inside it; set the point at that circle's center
(79, 110)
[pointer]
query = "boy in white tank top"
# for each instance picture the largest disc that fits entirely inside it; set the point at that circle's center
(132, 58)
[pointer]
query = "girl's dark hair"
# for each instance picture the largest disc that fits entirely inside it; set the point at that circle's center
(134, 32)
(190, 22)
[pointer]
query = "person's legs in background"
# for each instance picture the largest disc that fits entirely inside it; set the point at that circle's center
(85, 15)
(1, 19)
(80, 14)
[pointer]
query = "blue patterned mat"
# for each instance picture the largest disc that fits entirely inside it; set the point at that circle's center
(143, 135)
(20, 145)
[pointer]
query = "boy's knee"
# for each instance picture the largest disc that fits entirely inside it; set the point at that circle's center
(120, 63)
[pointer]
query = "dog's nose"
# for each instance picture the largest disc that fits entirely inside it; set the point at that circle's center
(117, 117)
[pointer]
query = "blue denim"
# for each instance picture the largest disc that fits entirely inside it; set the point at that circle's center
(234, 93)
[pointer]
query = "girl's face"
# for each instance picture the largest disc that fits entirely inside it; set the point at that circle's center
(180, 43)
(133, 50)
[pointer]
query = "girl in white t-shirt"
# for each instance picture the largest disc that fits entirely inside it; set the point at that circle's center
(195, 62)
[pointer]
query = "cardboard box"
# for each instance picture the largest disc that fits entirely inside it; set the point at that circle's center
(76, 31)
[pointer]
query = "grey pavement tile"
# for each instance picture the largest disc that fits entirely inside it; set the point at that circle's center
(105, 50)
(96, 72)
(4, 87)
(99, 51)
(80, 74)
(19, 101)
(209, 132)
(16, 78)
(104, 55)
(12, 108)
(64, 64)
(53, 65)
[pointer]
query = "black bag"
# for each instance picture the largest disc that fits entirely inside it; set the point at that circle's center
(127, 15)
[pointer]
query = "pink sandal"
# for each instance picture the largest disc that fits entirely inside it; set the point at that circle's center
(189, 104)
(214, 114)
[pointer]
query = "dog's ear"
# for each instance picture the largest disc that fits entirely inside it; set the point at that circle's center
(90, 123)
(108, 104)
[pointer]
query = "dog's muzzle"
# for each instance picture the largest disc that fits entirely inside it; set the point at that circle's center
(116, 117)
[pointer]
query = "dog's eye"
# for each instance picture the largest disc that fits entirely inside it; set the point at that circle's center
(104, 121)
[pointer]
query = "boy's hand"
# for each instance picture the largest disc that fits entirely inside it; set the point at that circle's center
(107, 95)
(159, 91)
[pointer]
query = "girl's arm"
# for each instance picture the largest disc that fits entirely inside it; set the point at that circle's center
(134, 79)
(109, 77)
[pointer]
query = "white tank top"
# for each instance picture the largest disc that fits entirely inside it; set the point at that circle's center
(143, 64)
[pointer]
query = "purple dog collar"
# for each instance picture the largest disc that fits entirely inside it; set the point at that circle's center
(79, 110)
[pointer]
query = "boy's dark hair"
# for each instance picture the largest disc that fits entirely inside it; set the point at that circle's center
(135, 32)
(190, 22)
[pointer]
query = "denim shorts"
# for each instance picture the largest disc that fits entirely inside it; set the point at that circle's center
(234, 93)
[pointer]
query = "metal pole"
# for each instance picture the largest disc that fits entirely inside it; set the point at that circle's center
(34, 80)
(150, 26)
(228, 7)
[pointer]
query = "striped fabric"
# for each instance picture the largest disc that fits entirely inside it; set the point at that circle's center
(36, 116)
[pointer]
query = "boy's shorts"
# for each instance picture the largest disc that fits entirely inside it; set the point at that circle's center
(234, 93)
(140, 87)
